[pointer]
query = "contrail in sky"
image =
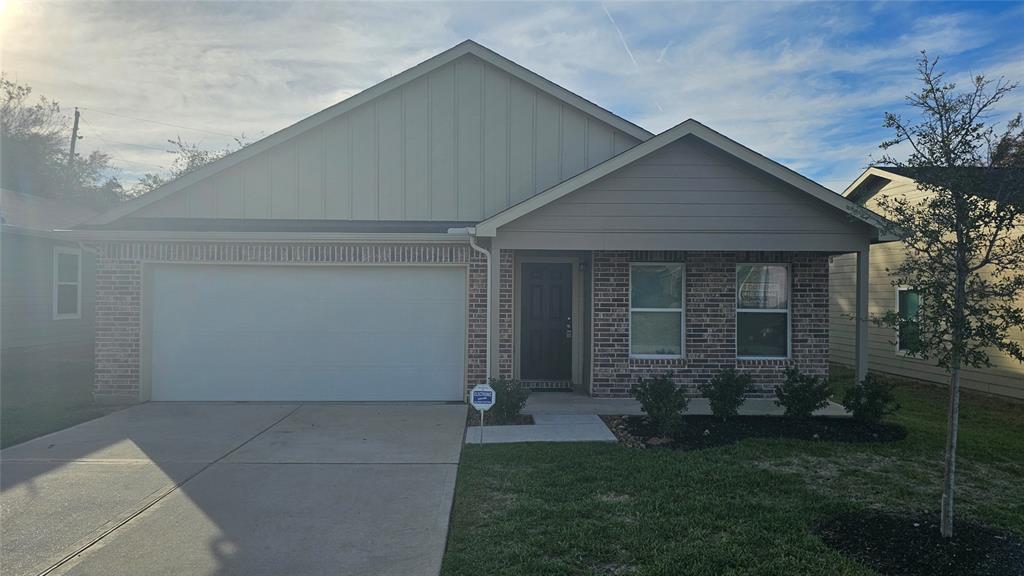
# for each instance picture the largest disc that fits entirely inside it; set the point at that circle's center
(621, 37)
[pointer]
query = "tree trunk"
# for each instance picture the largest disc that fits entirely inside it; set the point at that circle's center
(949, 481)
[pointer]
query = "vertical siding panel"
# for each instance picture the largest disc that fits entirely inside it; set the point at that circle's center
(338, 169)
(574, 142)
(311, 176)
(364, 163)
(547, 142)
(600, 143)
(257, 187)
(227, 185)
(521, 100)
(417, 150)
(623, 142)
(389, 122)
(442, 142)
(470, 139)
(201, 201)
(283, 179)
(496, 131)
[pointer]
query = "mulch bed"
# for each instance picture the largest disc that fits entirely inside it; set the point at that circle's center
(708, 431)
(913, 546)
(491, 419)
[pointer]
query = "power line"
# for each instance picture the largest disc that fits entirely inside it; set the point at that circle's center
(159, 122)
(99, 135)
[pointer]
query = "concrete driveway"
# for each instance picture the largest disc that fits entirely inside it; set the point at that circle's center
(235, 488)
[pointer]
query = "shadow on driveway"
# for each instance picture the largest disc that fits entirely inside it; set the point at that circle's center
(235, 488)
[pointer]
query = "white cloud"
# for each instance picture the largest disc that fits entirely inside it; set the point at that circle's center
(802, 83)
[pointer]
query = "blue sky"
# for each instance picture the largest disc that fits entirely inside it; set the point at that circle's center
(804, 83)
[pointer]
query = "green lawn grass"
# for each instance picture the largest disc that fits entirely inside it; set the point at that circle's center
(743, 509)
(47, 402)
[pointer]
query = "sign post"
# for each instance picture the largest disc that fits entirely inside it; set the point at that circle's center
(482, 398)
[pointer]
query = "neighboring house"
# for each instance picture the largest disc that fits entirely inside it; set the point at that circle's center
(1006, 375)
(466, 217)
(46, 293)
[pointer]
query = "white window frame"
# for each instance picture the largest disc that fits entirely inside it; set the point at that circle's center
(77, 253)
(896, 307)
(788, 310)
(681, 311)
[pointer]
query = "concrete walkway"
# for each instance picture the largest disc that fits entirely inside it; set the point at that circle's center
(235, 488)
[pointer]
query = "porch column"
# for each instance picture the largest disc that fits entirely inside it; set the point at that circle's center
(861, 339)
(494, 289)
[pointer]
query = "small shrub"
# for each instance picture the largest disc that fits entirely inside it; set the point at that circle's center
(802, 394)
(871, 401)
(725, 392)
(509, 398)
(662, 401)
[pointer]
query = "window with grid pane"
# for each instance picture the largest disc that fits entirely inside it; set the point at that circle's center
(67, 283)
(762, 311)
(656, 305)
(908, 305)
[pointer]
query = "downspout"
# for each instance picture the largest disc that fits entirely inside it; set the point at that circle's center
(471, 234)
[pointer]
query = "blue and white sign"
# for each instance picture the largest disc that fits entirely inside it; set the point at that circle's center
(481, 397)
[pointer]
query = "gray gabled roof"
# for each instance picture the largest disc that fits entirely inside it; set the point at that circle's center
(462, 49)
(32, 212)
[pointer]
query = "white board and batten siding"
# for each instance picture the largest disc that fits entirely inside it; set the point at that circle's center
(462, 142)
(687, 195)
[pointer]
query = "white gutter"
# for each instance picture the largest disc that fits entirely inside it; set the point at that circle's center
(471, 233)
(303, 237)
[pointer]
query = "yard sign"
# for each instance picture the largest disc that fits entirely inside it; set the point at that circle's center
(482, 398)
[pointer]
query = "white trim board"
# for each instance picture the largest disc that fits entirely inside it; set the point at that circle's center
(691, 127)
(396, 81)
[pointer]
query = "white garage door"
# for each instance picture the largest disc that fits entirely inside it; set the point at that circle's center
(306, 333)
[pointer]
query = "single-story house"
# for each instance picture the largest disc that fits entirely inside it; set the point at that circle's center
(467, 218)
(46, 295)
(886, 352)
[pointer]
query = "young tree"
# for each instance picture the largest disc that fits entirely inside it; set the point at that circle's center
(188, 156)
(965, 247)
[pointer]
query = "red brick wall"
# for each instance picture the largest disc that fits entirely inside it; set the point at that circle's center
(119, 293)
(710, 320)
(506, 328)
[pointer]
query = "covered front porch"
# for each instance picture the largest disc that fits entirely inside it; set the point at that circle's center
(687, 254)
(593, 322)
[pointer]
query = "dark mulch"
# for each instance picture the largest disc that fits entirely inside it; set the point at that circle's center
(708, 431)
(491, 419)
(913, 546)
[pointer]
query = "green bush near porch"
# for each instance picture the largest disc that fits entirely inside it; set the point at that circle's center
(746, 508)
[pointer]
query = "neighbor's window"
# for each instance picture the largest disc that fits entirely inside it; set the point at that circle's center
(908, 306)
(656, 310)
(67, 283)
(762, 311)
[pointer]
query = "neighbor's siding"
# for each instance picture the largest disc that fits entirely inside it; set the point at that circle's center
(35, 346)
(119, 294)
(710, 320)
(461, 143)
(1005, 377)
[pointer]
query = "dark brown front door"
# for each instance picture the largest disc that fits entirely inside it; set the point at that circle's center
(546, 323)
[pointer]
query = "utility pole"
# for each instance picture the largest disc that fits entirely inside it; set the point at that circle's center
(71, 152)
